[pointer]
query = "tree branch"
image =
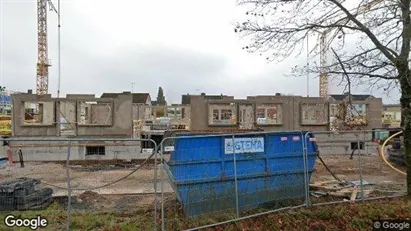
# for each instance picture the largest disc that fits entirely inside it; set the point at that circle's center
(390, 54)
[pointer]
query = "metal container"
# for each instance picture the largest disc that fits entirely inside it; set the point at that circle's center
(268, 167)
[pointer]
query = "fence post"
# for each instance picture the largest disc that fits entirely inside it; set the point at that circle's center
(305, 160)
(155, 185)
(360, 165)
(162, 185)
(68, 186)
(237, 213)
(21, 158)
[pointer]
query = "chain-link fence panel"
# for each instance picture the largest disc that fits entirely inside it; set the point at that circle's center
(79, 183)
(353, 165)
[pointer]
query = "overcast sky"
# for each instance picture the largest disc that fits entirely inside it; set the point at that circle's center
(185, 46)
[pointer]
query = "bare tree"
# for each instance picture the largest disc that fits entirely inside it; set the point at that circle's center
(347, 117)
(381, 30)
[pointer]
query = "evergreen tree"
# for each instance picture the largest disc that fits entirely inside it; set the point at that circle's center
(161, 99)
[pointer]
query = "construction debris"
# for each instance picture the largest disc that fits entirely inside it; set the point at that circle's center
(23, 194)
(357, 183)
(343, 189)
(319, 193)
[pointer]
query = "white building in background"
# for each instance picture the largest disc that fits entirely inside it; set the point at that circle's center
(5, 101)
(391, 115)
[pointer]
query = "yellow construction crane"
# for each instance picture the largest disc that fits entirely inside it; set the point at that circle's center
(43, 63)
(323, 88)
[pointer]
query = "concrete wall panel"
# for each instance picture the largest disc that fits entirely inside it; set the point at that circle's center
(287, 112)
(340, 143)
(18, 115)
(120, 124)
(57, 151)
(224, 114)
(246, 116)
(101, 114)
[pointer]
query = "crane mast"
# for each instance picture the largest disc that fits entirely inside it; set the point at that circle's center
(323, 63)
(323, 84)
(42, 53)
(43, 63)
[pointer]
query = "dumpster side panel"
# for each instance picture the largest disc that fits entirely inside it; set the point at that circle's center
(270, 167)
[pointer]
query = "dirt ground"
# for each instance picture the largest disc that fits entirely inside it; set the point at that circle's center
(373, 170)
(137, 190)
(125, 195)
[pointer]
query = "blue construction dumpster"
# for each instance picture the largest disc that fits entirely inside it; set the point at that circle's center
(269, 167)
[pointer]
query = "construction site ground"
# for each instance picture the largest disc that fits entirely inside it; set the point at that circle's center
(135, 194)
(373, 170)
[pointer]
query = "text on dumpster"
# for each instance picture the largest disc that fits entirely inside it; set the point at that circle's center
(244, 145)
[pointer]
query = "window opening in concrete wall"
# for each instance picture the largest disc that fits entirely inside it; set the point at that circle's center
(223, 114)
(175, 113)
(216, 115)
(38, 113)
(177, 117)
(269, 114)
(95, 113)
(357, 145)
(356, 114)
(172, 113)
(95, 150)
(226, 114)
(313, 114)
(86, 114)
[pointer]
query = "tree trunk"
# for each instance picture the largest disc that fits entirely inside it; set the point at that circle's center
(406, 121)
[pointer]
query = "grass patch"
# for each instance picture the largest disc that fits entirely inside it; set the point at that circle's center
(356, 216)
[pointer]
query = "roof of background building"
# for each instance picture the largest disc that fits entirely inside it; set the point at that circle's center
(137, 97)
(392, 105)
(353, 97)
(185, 99)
